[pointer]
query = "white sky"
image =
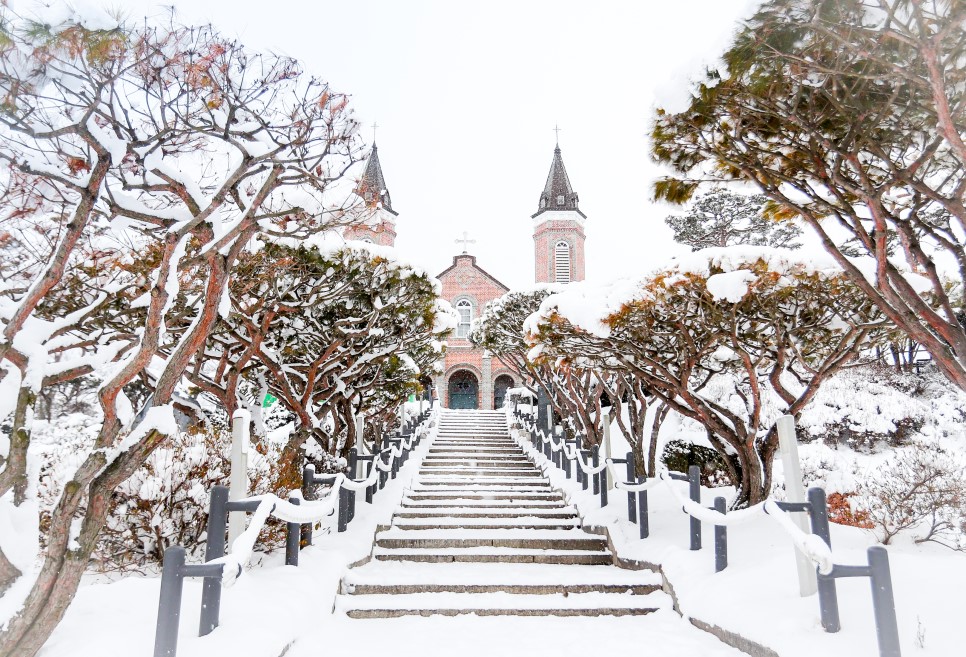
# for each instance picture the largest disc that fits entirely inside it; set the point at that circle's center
(467, 94)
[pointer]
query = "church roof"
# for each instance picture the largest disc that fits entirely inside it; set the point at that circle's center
(557, 193)
(472, 263)
(372, 186)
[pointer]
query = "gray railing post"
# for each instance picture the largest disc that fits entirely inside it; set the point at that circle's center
(595, 461)
(631, 478)
(214, 549)
(827, 596)
(565, 459)
(353, 461)
(883, 602)
(292, 536)
(344, 502)
(369, 489)
(383, 475)
(603, 485)
(720, 538)
(694, 491)
(169, 604)
(643, 520)
(308, 493)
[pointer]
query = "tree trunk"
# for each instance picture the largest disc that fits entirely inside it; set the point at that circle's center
(8, 573)
(659, 416)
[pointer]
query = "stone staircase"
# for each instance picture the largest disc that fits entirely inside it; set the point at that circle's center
(482, 532)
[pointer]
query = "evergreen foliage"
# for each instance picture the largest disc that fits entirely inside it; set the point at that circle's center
(847, 114)
(723, 218)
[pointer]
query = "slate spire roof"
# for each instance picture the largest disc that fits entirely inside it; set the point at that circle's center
(372, 186)
(557, 193)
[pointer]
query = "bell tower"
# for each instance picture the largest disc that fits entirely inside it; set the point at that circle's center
(558, 229)
(379, 222)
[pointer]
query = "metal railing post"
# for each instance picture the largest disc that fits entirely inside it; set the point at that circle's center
(883, 602)
(828, 601)
(603, 486)
(694, 491)
(308, 493)
(595, 461)
(720, 538)
(631, 477)
(344, 502)
(214, 549)
(169, 603)
(643, 520)
(292, 536)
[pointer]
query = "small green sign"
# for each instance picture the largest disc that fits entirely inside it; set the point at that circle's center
(412, 396)
(268, 400)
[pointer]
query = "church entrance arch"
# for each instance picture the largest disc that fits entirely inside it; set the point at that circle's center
(500, 386)
(464, 390)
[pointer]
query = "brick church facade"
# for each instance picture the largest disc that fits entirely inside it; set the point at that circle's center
(470, 377)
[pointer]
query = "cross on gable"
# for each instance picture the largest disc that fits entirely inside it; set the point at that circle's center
(466, 241)
(557, 130)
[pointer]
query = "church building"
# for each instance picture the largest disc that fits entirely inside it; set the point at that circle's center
(471, 378)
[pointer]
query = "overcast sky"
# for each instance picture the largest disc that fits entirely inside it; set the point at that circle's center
(467, 94)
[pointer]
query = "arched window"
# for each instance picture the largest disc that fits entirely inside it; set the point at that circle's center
(465, 310)
(561, 262)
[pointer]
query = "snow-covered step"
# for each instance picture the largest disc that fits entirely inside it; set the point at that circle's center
(514, 511)
(449, 480)
(475, 469)
(481, 488)
(528, 539)
(493, 554)
(454, 496)
(501, 604)
(468, 503)
(551, 578)
(476, 459)
(521, 522)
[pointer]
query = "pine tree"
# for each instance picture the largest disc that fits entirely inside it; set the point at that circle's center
(724, 218)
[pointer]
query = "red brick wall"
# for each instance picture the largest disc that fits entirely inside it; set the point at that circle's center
(465, 280)
(383, 233)
(545, 238)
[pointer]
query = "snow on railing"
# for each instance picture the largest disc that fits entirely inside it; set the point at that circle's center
(300, 513)
(816, 546)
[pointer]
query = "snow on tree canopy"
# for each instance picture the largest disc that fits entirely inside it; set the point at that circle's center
(725, 269)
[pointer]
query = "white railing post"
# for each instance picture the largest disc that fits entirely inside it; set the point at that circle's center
(360, 434)
(795, 492)
(238, 478)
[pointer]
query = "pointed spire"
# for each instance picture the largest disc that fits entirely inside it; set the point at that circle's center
(557, 193)
(372, 186)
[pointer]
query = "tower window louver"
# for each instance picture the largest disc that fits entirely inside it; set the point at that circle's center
(561, 262)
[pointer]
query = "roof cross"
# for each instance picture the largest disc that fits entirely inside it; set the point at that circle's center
(466, 241)
(375, 126)
(557, 130)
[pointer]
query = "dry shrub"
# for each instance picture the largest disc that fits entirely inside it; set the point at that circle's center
(165, 502)
(920, 490)
(840, 511)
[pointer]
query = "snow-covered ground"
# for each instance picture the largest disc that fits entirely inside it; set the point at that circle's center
(274, 609)
(757, 596)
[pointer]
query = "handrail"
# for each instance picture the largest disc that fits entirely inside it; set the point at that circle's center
(221, 570)
(816, 546)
